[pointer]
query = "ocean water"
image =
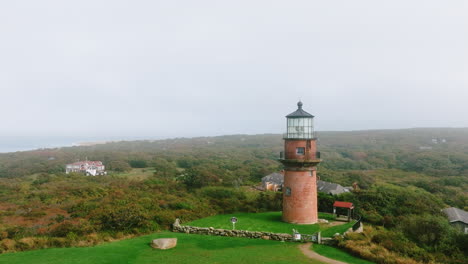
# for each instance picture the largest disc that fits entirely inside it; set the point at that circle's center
(24, 143)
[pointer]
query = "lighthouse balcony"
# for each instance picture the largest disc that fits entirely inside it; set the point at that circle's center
(300, 136)
(292, 157)
(311, 156)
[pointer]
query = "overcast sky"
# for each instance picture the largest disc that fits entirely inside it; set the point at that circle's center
(193, 68)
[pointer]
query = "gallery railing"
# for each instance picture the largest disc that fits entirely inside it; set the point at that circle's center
(291, 154)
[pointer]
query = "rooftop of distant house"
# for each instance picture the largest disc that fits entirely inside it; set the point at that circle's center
(456, 215)
(331, 188)
(322, 186)
(88, 162)
(275, 177)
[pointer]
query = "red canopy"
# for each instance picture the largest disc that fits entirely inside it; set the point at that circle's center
(343, 204)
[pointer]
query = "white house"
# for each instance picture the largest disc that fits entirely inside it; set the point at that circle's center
(88, 167)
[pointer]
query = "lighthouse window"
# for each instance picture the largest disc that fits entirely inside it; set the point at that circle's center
(300, 151)
(288, 191)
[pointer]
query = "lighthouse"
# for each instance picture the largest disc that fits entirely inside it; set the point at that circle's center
(300, 159)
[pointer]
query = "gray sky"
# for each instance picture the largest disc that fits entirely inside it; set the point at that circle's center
(192, 68)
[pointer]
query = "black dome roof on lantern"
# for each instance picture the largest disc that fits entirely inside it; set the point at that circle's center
(299, 112)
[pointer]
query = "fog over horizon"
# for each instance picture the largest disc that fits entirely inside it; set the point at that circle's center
(165, 69)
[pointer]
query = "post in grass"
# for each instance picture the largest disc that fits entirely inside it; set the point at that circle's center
(233, 221)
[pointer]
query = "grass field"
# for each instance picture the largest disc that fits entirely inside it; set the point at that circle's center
(268, 222)
(135, 174)
(337, 254)
(329, 232)
(191, 249)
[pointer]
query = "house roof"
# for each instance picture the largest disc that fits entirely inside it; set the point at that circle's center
(95, 163)
(456, 215)
(322, 186)
(330, 188)
(299, 112)
(275, 177)
(343, 204)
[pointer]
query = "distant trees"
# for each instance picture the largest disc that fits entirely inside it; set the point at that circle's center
(432, 232)
(201, 176)
(363, 180)
(164, 169)
(119, 166)
(138, 163)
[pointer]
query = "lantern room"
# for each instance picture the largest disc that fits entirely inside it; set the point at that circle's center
(299, 124)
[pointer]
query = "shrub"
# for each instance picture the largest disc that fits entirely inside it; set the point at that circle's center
(138, 163)
(122, 218)
(62, 229)
(165, 218)
(26, 243)
(268, 201)
(59, 242)
(119, 166)
(8, 244)
(428, 231)
(180, 205)
(225, 200)
(16, 232)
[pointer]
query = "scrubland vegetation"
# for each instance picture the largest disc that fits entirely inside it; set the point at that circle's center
(405, 178)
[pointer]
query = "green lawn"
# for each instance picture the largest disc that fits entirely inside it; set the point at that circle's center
(329, 232)
(190, 249)
(337, 254)
(135, 174)
(268, 222)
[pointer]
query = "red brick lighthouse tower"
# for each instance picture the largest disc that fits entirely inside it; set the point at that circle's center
(300, 159)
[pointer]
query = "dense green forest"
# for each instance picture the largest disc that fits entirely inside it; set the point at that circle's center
(405, 178)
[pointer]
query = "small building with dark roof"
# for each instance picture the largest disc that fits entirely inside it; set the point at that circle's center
(458, 218)
(273, 182)
(331, 188)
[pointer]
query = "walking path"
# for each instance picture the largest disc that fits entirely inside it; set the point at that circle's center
(305, 249)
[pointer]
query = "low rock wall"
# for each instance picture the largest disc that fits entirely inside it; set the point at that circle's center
(231, 233)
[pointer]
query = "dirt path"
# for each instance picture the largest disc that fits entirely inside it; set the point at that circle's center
(305, 249)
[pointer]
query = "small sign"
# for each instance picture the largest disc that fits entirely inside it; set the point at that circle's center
(233, 221)
(297, 236)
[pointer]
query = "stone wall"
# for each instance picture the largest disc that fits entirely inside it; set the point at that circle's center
(176, 227)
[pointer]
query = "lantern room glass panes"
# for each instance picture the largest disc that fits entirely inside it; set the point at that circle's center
(301, 128)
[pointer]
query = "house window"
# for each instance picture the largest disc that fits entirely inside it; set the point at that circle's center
(288, 191)
(300, 151)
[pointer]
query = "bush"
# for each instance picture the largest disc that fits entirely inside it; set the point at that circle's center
(119, 166)
(122, 218)
(180, 205)
(225, 200)
(8, 244)
(325, 202)
(268, 201)
(138, 163)
(165, 218)
(428, 231)
(62, 229)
